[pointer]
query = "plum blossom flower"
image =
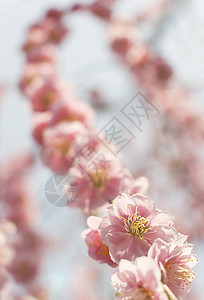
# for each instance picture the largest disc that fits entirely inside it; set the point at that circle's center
(73, 110)
(100, 180)
(138, 280)
(132, 224)
(42, 53)
(47, 93)
(34, 74)
(176, 261)
(59, 145)
(49, 30)
(40, 122)
(134, 186)
(96, 248)
(121, 37)
(24, 268)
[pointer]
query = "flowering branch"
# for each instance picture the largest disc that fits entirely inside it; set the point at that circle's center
(132, 235)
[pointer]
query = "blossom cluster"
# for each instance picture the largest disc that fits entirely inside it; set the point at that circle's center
(153, 259)
(184, 164)
(20, 241)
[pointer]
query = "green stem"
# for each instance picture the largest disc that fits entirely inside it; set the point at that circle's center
(169, 293)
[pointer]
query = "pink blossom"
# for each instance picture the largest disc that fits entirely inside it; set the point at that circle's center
(138, 280)
(55, 30)
(22, 215)
(24, 268)
(42, 53)
(47, 93)
(29, 240)
(49, 30)
(134, 186)
(40, 122)
(100, 180)
(39, 292)
(176, 261)
(4, 284)
(122, 36)
(73, 110)
(101, 9)
(132, 224)
(96, 248)
(7, 253)
(59, 145)
(34, 74)
(27, 297)
(54, 13)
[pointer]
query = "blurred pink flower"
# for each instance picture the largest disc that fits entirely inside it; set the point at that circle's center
(134, 186)
(96, 248)
(25, 266)
(73, 110)
(40, 122)
(176, 261)
(4, 284)
(27, 297)
(39, 292)
(132, 224)
(59, 145)
(42, 53)
(35, 74)
(139, 280)
(50, 30)
(7, 253)
(122, 36)
(55, 14)
(22, 215)
(99, 180)
(47, 93)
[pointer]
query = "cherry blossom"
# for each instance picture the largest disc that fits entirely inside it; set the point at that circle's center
(176, 261)
(96, 248)
(59, 145)
(139, 280)
(132, 224)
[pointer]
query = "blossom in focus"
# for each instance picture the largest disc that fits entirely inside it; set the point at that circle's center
(176, 261)
(96, 248)
(59, 145)
(138, 280)
(132, 224)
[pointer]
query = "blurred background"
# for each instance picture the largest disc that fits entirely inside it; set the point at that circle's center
(167, 151)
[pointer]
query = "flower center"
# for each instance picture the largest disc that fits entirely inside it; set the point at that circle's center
(136, 225)
(178, 274)
(99, 179)
(143, 294)
(47, 99)
(63, 147)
